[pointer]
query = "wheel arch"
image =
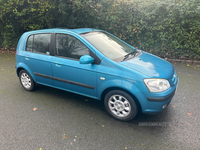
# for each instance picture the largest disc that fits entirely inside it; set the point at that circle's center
(23, 67)
(19, 69)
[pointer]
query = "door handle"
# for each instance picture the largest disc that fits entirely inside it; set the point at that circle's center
(27, 58)
(58, 64)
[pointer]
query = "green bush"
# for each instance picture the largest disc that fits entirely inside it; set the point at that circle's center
(18, 16)
(169, 29)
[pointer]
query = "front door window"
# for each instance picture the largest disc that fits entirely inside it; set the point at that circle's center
(71, 47)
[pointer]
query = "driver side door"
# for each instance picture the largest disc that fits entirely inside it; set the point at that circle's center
(68, 73)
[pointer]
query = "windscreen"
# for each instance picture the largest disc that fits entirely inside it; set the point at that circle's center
(109, 45)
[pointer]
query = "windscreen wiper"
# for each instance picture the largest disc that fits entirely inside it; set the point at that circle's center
(131, 53)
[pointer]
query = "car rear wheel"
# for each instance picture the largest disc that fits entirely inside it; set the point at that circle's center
(120, 105)
(26, 80)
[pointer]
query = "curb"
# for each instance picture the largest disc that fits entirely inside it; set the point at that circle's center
(183, 61)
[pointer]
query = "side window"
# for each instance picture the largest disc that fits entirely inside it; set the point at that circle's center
(39, 43)
(69, 46)
(29, 44)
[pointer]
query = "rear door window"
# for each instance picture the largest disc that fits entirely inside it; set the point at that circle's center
(39, 43)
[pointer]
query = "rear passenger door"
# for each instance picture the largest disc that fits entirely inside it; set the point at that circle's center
(37, 57)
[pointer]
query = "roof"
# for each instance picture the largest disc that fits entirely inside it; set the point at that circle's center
(77, 31)
(83, 30)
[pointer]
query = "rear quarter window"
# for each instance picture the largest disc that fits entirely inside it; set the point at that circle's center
(29, 44)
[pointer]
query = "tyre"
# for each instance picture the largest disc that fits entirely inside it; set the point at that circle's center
(26, 80)
(120, 105)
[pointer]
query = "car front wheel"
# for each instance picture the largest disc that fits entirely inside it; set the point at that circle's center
(120, 105)
(26, 80)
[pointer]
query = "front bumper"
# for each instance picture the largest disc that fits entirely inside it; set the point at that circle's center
(156, 103)
(161, 99)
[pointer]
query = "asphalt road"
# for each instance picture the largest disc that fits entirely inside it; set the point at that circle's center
(51, 119)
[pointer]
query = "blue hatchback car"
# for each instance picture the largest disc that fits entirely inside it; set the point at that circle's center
(96, 64)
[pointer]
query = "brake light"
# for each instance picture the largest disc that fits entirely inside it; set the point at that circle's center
(15, 52)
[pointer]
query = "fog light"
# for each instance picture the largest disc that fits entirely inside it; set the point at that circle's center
(164, 106)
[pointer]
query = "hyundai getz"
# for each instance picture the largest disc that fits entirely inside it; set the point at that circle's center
(96, 64)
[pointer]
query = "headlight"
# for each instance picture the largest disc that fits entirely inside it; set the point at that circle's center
(157, 85)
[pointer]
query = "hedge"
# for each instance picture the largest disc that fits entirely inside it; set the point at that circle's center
(169, 29)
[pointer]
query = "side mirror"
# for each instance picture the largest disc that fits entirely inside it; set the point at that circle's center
(86, 59)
